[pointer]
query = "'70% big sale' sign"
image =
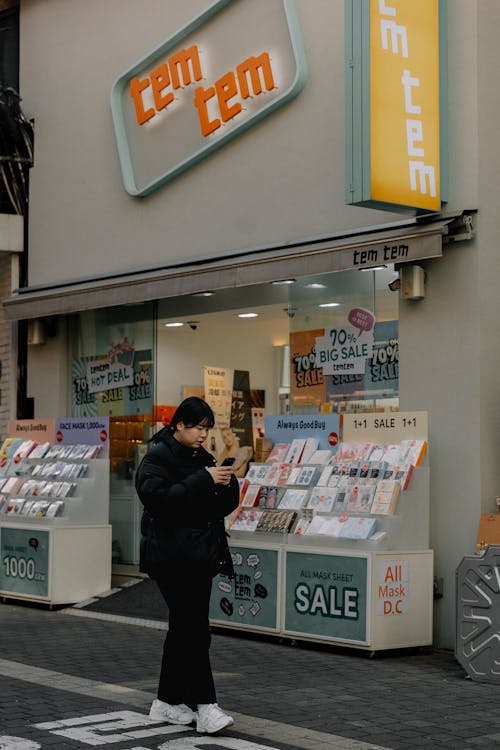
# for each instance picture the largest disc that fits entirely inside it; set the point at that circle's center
(346, 349)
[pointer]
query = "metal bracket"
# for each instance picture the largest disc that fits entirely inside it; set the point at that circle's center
(461, 229)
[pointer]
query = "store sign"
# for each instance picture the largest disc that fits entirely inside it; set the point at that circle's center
(211, 81)
(83, 431)
(326, 596)
(388, 429)
(39, 430)
(24, 561)
(392, 588)
(251, 598)
(396, 79)
(285, 428)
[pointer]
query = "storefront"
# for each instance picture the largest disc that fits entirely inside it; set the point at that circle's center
(231, 196)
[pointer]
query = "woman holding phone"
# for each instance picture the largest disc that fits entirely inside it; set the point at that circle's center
(183, 546)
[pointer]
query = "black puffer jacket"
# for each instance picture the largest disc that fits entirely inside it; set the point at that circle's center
(183, 520)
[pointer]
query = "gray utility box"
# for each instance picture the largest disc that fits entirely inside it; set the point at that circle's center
(478, 615)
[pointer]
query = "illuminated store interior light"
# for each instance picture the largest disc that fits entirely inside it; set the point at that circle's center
(284, 282)
(315, 286)
(173, 325)
(330, 304)
(248, 315)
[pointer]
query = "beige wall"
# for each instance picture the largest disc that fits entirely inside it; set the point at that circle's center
(282, 180)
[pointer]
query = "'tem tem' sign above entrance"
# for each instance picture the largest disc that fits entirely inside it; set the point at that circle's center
(221, 74)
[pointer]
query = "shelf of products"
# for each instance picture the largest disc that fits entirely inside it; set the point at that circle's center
(359, 495)
(55, 539)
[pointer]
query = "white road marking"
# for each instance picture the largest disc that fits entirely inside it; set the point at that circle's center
(17, 743)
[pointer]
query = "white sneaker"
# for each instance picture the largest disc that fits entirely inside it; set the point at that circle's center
(179, 714)
(211, 719)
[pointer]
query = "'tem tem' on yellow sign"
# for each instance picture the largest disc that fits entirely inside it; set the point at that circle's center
(404, 102)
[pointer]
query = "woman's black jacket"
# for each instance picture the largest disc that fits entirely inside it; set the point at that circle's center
(182, 525)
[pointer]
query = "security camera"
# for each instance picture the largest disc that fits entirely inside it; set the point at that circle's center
(394, 285)
(193, 324)
(290, 311)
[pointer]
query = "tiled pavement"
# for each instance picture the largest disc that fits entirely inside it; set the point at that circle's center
(77, 681)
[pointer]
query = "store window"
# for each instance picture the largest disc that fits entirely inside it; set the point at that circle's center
(250, 351)
(124, 339)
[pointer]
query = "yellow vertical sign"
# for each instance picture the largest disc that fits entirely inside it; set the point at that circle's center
(404, 102)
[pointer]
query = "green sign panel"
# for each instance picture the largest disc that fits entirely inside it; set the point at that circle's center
(251, 598)
(326, 596)
(24, 561)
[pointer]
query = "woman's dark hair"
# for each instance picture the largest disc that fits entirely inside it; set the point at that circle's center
(192, 411)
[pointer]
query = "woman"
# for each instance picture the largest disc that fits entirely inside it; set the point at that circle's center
(183, 546)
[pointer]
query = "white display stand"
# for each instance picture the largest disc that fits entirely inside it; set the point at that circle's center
(389, 613)
(77, 563)
(65, 558)
(370, 595)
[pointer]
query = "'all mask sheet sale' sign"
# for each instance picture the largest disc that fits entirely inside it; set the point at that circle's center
(345, 349)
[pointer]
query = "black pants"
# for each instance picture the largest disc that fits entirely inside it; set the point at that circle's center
(186, 674)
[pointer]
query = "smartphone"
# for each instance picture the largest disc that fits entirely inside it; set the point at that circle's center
(228, 462)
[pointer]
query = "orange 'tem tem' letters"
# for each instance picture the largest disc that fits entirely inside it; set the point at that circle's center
(228, 86)
(181, 69)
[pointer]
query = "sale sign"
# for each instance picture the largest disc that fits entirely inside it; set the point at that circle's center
(346, 349)
(392, 596)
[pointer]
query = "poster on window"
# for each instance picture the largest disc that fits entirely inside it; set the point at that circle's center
(228, 393)
(382, 370)
(380, 378)
(218, 383)
(113, 384)
(307, 381)
(343, 350)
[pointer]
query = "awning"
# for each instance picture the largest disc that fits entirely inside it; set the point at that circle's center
(398, 242)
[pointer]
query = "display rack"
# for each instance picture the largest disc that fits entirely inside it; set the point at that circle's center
(370, 594)
(55, 548)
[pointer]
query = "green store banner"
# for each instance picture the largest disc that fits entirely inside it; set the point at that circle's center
(24, 561)
(326, 596)
(251, 598)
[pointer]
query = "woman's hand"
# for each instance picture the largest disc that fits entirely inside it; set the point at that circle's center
(220, 474)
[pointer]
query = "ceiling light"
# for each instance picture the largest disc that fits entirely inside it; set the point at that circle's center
(284, 282)
(374, 268)
(315, 286)
(173, 325)
(248, 315)
(203, 294)
(330, 304)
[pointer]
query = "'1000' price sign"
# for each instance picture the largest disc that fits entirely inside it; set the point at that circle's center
(24, 561)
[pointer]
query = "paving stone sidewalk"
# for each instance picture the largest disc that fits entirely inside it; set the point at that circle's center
(56, 666)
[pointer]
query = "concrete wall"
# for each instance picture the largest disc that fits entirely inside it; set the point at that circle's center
(282, 180)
